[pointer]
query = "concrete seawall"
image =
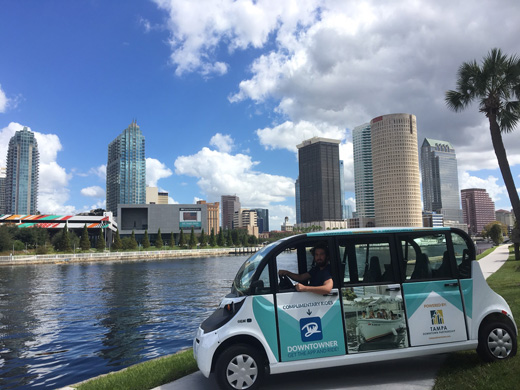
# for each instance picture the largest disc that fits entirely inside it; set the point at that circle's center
(122, 256)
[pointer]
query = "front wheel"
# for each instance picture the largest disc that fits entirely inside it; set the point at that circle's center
(240, 367)
(496, 341)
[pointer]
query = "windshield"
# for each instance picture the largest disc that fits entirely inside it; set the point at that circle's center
(245, 274)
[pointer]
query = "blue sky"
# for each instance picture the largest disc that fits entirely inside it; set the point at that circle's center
(224, 90)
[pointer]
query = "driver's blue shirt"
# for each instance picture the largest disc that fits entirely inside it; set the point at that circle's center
(319, 276)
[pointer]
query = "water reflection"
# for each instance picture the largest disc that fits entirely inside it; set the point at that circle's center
(63, 323)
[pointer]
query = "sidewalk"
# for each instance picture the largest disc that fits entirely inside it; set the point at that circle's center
(409, 374)
(496, 259)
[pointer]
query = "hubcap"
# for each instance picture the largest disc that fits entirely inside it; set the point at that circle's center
(241, 372)
(500, 343)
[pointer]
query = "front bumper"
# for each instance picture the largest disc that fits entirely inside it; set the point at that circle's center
(204, 347)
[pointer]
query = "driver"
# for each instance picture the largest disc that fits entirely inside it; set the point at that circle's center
(319, 275)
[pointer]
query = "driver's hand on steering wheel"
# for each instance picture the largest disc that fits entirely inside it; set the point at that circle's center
(283, 272)
(299, 287)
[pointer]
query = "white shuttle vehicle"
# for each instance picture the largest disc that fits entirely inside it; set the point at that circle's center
(398, 292)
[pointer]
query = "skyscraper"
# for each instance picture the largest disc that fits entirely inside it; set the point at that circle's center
(21, 183)
(440, 179)
(342, 189)
(126, 169)
(3, 171)
(230, 204)
(363, 174)
(297, 199)
(319, 179)
(478, 209)
(395, 164)
(262, 220)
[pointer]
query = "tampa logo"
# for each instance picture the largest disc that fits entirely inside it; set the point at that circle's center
(437, 317)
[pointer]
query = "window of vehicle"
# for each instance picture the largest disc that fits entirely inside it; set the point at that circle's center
(426, 256)
(464, 254)
(365, 260)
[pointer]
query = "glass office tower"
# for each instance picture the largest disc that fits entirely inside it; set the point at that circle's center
(126, 169)
(21, 183)
(363, 175)
(440, 179)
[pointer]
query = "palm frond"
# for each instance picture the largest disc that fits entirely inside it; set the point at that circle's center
(509, 116)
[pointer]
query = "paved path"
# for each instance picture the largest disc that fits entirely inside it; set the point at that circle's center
(401, 374)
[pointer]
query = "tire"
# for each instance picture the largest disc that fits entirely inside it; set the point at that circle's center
(240, 367)
(496, 341)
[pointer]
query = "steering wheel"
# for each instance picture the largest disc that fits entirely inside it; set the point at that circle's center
(286, 283)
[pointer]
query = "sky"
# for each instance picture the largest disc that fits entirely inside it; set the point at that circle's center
(223, 91)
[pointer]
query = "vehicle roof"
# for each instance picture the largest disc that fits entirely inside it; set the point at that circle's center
(375, 230)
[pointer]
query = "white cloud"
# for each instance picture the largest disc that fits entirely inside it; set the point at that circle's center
(494, 190)
(100, 171)
(338, 63)
(93, 192)
(224, 143)
(277, 214)
(222, 173)
(198, 28)
(172, 201)
(4, 101)
(289, 134)
(156, 170)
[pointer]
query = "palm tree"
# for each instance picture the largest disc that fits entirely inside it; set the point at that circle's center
(495, 84)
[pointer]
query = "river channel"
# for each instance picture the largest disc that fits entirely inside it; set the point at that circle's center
(64, 323)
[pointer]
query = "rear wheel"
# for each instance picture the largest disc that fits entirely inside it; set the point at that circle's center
(240, 367)
(496, 341)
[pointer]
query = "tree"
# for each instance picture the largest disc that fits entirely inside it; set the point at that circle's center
(146, 240)
(6, 242)
(101, 244)
(203, 239)
(118, 244)
(495, 84)
(158, 241)
(229, 239)
(220, 238)
(84, 242)
(62, 243)
(515, 239)
(172, 240)
(212, 238)
(182, 240)
(192, 243)
(493, 231)
(132, 244)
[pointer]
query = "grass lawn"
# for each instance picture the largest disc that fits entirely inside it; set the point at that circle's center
(464, 370)
(147, 375)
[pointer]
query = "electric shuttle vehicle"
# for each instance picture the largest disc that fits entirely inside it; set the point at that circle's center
(398, 292)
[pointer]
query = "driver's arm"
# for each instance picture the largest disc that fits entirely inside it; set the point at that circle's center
(297, 277)
(323, 290)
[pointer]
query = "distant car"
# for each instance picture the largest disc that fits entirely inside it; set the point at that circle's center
(398, 292)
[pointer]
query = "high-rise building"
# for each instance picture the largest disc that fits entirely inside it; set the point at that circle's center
(297, 199)
(213, 216)
(342, 189)
(363, 174)
(126, 169)
(440, 182)
(246, 219)
(3, 173)
(21, 182)
(262, 220)
(230, 204)
(320, 187)
(395, 164)
(507, 218)
(478, 209)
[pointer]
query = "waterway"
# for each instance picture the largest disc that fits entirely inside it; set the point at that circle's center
(64, 323)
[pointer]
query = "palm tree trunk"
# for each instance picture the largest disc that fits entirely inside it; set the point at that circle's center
(505, 169)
